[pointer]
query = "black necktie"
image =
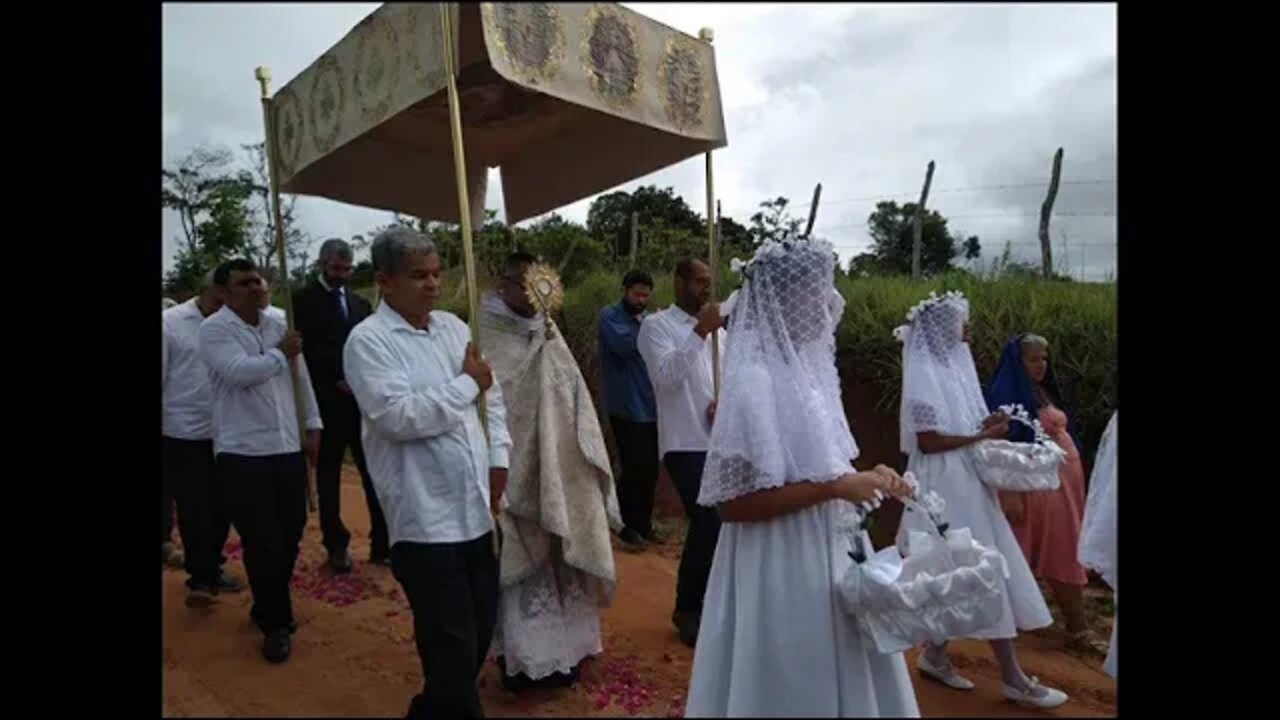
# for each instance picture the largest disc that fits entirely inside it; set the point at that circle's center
(342, 306)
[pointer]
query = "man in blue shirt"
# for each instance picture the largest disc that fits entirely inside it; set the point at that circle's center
(628, 400)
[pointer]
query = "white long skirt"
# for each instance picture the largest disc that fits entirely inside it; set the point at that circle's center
(972, 504)
(1111, 665)
(773, 640)
(547, 623)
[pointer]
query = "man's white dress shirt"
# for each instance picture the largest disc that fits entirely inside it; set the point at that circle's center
(253, 404)
(186, 391)
(423, 440)
(679, 365)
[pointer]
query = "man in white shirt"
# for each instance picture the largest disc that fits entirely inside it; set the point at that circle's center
(417, 379)
(676, 346)
(257, 441)
(187, 446)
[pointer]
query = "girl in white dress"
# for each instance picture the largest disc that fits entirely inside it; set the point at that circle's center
(943, 413)
(773, 639)
(1098, 534)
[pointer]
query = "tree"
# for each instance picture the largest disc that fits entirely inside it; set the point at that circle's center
(491, 242)
(185, 187)
(890, 227)
(609, 217)
(225, 212)
(263, 246)
(212, 202)
(609, 222)
(668, 244)
(735, 238)
(564, 245)
(773, 222)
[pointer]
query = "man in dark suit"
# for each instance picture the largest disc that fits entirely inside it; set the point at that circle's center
(326, 310)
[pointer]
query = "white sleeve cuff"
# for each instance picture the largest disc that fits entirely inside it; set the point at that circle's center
(469, 386)
(280, 357)
(499, 457)
(692, 340)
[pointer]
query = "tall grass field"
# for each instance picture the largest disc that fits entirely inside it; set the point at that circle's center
(1079, 320)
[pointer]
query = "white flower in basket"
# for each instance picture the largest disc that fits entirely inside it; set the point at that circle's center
(1019, 467)
(948, 586)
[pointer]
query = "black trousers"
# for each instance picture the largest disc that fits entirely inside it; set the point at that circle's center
(453, 590)
(638, 450)
(685, 469)
(204, 521)
(166, 501)
(341, 417)
(268, 500)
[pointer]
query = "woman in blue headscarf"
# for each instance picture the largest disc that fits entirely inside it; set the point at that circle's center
(1047, 524)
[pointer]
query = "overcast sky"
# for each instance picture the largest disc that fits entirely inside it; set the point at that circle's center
(857, 97)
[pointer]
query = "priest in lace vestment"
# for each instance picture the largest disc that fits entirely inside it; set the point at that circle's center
(556, 567)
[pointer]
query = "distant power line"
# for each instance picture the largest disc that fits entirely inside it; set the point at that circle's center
(1001, 243)
(961, 189)
(963, 216)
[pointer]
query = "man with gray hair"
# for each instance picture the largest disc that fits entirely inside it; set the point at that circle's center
(417, 381)
(326, 310)
(186, 430)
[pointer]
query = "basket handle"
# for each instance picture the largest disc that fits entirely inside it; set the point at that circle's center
(911, 504)
(1019, 413)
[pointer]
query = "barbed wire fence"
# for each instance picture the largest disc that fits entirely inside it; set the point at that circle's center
(1083, 258)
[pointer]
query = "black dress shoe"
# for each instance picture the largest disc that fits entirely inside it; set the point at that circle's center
(340, 562)
(687, 625)
(653, 537)
(632, 541)
(277, 646)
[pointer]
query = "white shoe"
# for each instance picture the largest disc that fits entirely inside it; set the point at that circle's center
(945, 673)
(1036, 697)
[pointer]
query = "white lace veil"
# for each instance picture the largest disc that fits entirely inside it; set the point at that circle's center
(940, 389)
(779, 419)
(1098, 534)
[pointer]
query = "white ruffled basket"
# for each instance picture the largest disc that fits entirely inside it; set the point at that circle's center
(948, 586)
(1019, 467)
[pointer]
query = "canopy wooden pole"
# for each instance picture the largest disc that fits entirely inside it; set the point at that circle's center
(263, 75)
(713, 254)
(464, 202)
(464, 217)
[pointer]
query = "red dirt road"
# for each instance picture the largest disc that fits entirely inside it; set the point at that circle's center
(353, 654)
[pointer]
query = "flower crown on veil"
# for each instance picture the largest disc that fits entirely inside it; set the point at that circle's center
(901, 332)
(771, 249)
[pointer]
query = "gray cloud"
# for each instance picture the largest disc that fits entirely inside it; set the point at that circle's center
(859, 97)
